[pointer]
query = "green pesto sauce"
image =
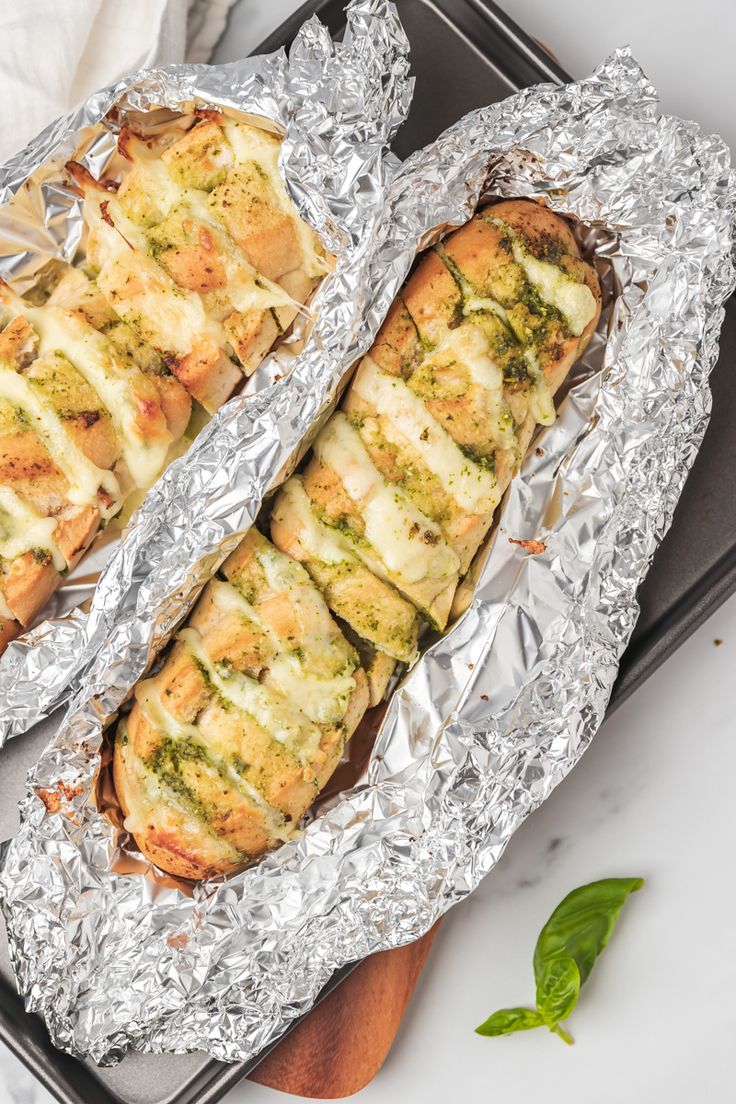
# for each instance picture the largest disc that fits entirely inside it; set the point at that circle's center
(166, 762)
(483, 461)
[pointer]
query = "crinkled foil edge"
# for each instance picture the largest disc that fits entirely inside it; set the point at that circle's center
(339, 105)
(498, 710)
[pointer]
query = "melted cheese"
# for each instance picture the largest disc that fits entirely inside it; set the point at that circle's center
(169, 316)
(154, 802)
(410, 545)
(541, 403)
(469, 346)
(143, 294)
(473, 488)
(572, 299)
(85, 478)
(23, 529)
(149, 700)
(282, 719)
(323, 698)
(472, 304)
(317, 540)
(228, 599)
(246, 288)
(96, 359)
(5, 611)
(154, 179)
(252, 144)
(318, 631)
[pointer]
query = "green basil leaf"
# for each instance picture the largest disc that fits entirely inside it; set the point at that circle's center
(508, 1020)
(558, 989)
(582, 923)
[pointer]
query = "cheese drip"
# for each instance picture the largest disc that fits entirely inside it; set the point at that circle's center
(574, 300)
(318, 540)
(469, 346)
(403, 414)
(162, 720)
(252, 144)
(23, 529)
(282, 719)
(299, 676)
(85, 479)
(410, 545)
(116, 383)
(541, 404)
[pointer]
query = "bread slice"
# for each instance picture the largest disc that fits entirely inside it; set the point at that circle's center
(229, 744)
(197, 263)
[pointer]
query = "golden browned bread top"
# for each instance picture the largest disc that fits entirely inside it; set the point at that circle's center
(201, 250)
(392, 504)
(228, 745)
(196, 264)
(404, 481)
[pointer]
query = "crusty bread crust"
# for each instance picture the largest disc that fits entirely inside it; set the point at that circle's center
(382, 611)
(207, 224)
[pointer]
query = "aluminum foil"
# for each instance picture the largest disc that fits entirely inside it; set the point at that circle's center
(339, 105)
(499, 709)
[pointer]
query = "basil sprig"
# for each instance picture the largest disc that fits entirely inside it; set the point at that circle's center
(568, 945)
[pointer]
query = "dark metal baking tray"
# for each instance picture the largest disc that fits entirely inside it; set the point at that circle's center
(464, 53)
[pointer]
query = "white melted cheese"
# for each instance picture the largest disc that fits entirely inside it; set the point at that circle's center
(473, 304)
(323, 698)
(84, 478)
(469, 346)
(5, 611)
(143, 294)
(473, 488)
(394, 526)
(149, 700)
(541, 403)
(252, 144)
(116, 383)
(22, 529)
(284, 574)
(228, 599)
(317, 540)
(572, 299)
(152, 178)
(279, 717)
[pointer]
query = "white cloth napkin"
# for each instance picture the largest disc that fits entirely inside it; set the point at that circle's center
(55, 53)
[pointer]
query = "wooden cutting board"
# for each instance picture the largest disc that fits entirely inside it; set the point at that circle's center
(343, 1042)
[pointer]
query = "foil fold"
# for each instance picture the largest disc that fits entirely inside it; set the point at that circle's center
(497, 711)
(339, 105)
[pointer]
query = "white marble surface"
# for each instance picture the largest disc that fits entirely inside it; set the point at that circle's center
(656, 1021)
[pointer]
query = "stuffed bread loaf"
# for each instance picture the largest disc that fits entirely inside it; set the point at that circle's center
(227, 746)
(195, 265)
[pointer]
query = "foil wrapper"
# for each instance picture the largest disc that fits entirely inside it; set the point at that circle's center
(497, 711)
(338, 106)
